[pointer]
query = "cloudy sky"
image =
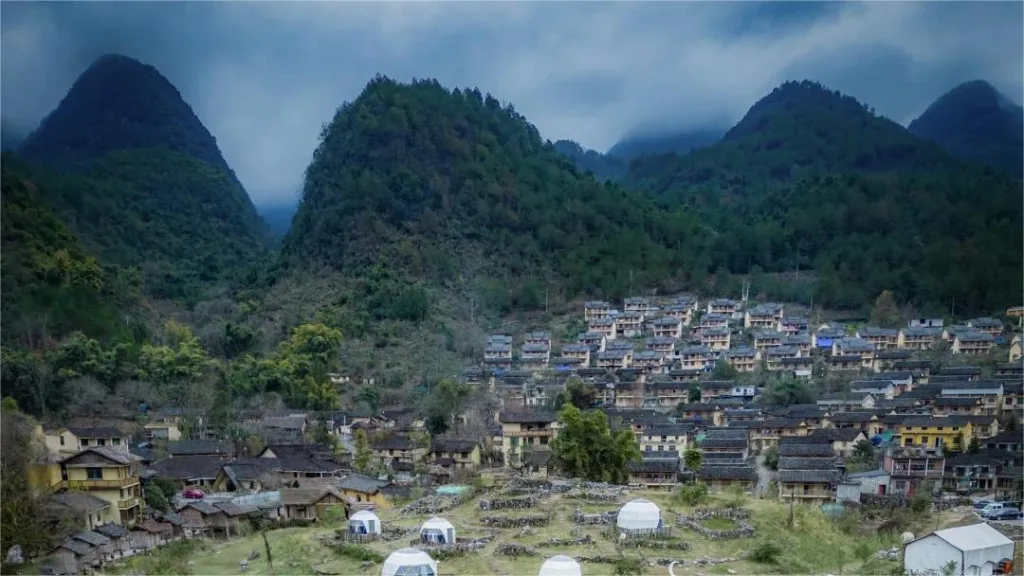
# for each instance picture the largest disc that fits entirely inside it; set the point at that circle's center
(264, 76)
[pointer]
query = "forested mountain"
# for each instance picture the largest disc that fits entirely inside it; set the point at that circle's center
(141, 181)
(810, 178)
(603, 166)
(975, 122)
(441, 186)
(278, 217)
(641, 143)
(10, 137)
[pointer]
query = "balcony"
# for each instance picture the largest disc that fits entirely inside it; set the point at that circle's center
(99, 484)
(128, 504)
(532, 433)
(916, 472)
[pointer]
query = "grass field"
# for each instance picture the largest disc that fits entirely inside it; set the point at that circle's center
(814, 545)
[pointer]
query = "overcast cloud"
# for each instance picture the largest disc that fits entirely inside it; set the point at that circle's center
(265, 76)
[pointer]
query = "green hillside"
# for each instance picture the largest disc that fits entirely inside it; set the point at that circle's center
(603, 166)
(812, 179)
(447, 187)
(141, 181)
(975, 122)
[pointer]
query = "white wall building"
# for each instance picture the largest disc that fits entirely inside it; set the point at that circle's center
(409, 562)
(975, 550)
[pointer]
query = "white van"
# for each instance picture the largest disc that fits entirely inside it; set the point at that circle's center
(992, 507)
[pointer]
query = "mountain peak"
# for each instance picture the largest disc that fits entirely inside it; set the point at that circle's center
(120, 103)
(976, 122)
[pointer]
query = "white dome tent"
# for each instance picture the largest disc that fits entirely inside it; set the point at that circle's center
(638, 514)
(437, 531)
(560, 565)
(364, 522)
(409, 562)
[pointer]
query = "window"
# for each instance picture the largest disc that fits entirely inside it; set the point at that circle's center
(116, 441)
(101, 442)
(94, 473)
(85, 441)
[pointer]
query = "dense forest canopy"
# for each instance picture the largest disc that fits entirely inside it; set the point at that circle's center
(813, 179)
(975, 122)
(443, 183)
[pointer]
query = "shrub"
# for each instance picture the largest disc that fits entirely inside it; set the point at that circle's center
(765, 553)
(693, 494)
(359, 553)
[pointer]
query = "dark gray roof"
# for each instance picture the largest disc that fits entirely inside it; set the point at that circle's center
(537, 458)
(806, 463)
(359, 483)
(80, 501)
(718, 457)
(809, 476)
(188, 467)
(954, 401)
(836, 434)
(655, 465)
(111, 530)
(805, 450)
(732, 433)
(92, 538)
(536, 417)
(99, 432)
(454, 445)
(118, 454)
(395, 442)
(171, 517)
(733, 443)
(860, 416)
(202, 506)
(196, 447)
(76, 546)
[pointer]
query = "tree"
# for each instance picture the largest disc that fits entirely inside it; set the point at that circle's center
(446, 404)
(787, 392)
(693, 459)
(694, 393)
(363, 454)
(587, 448)
(577, 392)
(724, 371)
(884, 312)
(155, 499)
(771, 457)
(974, 445)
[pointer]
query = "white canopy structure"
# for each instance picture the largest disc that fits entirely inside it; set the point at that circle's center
(409, 562)
(437, 530)
(975, 550)
(639, 514)
(560, 565)
(364, 522)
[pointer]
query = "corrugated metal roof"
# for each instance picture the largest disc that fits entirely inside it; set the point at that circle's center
(974, 537)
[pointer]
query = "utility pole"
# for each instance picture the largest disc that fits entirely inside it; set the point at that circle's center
(472, 310)
(792, 498)
(545, 299)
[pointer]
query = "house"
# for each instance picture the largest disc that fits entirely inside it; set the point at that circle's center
(456, 453)
(638, 304)
(308, 503)
(596, 309)
(188, 471)
(902, 381)
(977, 472)
(80, 505)
(870, 482)
(743, 359)
(151, 533)
(290, 428)
(840, 401)
(955, 373)
(766, 433)
(845, 363)
(739, 416)
(986, 325)
(911, 466)
(717, 339)
(198, 448)
(975, 549)
(808, 478)
(990, 392)
(955, 405)
(889, 359)
(729, 440)
(1013, 402)
(629, 324)
(764, 316)
(66, 441)
(668, 394)
(536, 463)
(826, 336)
(535, 355)
(936, 432)
(661, 438)
(708, 414)
(662, 344)
(120, 544)
(398, 448)
(926, 323)
(539, 337)
(614, 359)
(525, 430)
(775, 355)
(813, 415)
(1016, 351)
(919, 338)
(842, 440)
(1005, 441)
(721, 478)
(723, 306)
(790, 448)
(800, 341)
(855, 347)
(364, 490)
(681, 312)
(864, 420)
(247, 476)
(655, 470)
(649, 361)
(163, 425)
(72, 557)
(668, 327)
(972, 343)
(109, 473)
(882, 338)
(713, 321)
(793, 325)
(580, 352)
(877, 388)
(595, 340)
(699, 358)
(718, 389)
(605, 326)
(199, 517)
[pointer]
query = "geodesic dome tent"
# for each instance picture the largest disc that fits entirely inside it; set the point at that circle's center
(364, 522)
(638, 514)
(409, 562)
(560, 565)
(437, 530)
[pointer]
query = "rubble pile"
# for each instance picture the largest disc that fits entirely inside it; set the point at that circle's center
(516, 522)
(515, 503)
(514, 550)
(579, 517)
(556, 542)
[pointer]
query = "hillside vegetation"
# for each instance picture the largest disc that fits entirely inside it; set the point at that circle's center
(975, 122)
(812, 179)
(443, 187)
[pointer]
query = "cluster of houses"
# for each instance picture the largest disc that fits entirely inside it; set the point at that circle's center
(681, 339)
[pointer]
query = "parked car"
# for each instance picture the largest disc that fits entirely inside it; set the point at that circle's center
(992, 507)
(1007, 513)
(193, 494)
(980, 504)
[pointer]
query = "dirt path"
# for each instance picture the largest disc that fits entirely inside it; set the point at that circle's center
(764, 476)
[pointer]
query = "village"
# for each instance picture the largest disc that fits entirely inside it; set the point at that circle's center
(892, 414)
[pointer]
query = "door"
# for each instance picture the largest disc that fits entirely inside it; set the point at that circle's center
(373, 526)
(881, 489)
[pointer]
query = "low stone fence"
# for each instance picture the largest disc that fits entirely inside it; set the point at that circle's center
(702, 561)
(558, 542)
(579, 517)
(514, 550)
(604, 497)
(391, 532)
(599, 559)
(731, 513)
(653, 544)
(738, 515)
(434, 504)
(516, 522)
(618, 534)
(516, 503)
(349, 537)
(884, 501)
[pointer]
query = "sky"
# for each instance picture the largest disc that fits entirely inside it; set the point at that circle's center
(264, 77)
